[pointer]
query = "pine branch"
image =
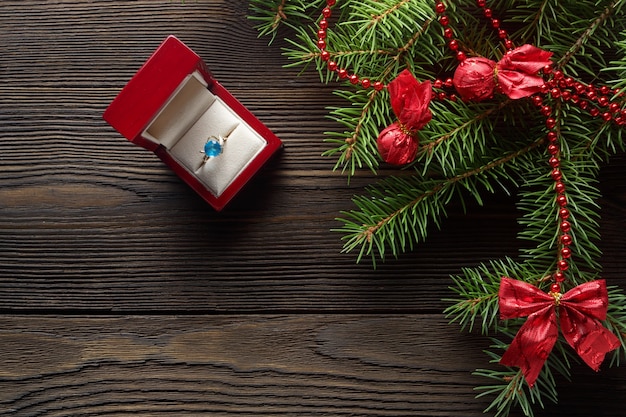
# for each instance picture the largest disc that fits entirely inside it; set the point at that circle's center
(400, 209)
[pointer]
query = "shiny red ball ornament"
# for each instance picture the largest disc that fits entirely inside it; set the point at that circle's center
(565, 226)
(555, 288)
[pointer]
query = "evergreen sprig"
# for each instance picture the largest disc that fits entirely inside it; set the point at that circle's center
(469, 150)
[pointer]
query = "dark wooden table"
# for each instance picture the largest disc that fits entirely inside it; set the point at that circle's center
(122, 292)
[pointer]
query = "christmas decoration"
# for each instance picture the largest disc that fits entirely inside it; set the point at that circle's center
(441, 88)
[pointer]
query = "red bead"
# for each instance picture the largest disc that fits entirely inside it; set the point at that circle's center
(325, 56)
(343, 73)
(556, 175)
(323, 24)
(565, 226)
(554, 162)
(448, 33)
(460, 56)
(553, 149)
(547, 69)
(326, 12)
(366, 83)
(566, 95)
(495, 23)
(594, 112)
(562, 265)
(321, 34)
(440, 8)
(332, 65)
(444, 20)
(354, 79)
(538, 101)
(502, 34)
(550, 123)
(481, 3)
(566, 253)
(555, 93)
(321, 43)
(437, 83)
(558, 74)
(614, 107)
(441, 96)
(552, 137)
(488, 13)
(583, 104)
(561, 200)
(603, 101)
(555, 288)
(559, 187)
(564, 214)
(508, 44)
(454, 44)
(607, 116)
(606, 90)
(546, 110)
(331, 3)
(566, 240)
(559, 276)
(449, 82)
(378, 86)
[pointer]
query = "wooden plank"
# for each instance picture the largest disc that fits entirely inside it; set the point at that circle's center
(375, 365)
(89, 221)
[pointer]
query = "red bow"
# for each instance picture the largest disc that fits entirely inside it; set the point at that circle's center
(580, 310)
(410, 99)
(515, 74)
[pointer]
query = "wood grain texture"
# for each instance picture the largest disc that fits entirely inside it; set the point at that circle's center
(307, 365)
(122, 292)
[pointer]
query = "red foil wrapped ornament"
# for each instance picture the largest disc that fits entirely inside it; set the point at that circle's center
(410, 99)
(515, 74)
(579, 313)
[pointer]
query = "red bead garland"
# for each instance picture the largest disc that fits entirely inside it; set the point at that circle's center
(325, 56)
(597, 101)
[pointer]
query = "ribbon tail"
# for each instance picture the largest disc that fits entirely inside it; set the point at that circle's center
(532, 344)
(589, 338)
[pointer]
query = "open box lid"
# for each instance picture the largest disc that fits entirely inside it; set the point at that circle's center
(151, 87)
(173, 104)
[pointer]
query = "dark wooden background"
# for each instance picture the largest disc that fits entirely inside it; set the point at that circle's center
(122, 292)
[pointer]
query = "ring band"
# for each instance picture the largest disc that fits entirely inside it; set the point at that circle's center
(213, 147)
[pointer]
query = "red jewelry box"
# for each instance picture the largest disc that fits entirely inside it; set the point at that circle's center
(173, 105)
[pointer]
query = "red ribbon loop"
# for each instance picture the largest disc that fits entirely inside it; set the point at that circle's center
(579, 313)
(515, 74)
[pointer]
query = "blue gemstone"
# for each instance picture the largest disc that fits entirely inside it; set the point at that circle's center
(212, 148)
